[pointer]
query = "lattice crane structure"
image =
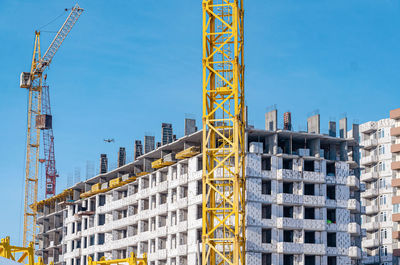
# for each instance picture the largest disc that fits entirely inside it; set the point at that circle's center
(223, 133)
(39, 118)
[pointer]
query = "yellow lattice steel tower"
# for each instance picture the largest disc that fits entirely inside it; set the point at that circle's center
(223, 133)
(33, 82)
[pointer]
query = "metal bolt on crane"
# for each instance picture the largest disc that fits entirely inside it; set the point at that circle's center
(39, 118)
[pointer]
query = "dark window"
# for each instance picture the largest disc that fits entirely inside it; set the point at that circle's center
(309, 166)
(102, 200)
(287, 236)
(266, 211)
(331, 216)
(288, 211)
(309, 237)
(266, 259)
(199, 187)
(199, 211)
(271, 125)
(199, 163)
(309, 260)
(331, 239)
(309, 189)
(288, 260)
(288, 187)
(102, 219)
(309, 213)
(266, 236)
(85, 223)
(287, 163)
(331, 192)
(332, 261)
(73, 228)
(266, 163)
(266, 187)
(91, 243)
(199, 237)
(100, 239)
(330, 169)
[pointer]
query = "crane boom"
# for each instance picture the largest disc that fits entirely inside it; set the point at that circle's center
(59, 38)
(36, 121)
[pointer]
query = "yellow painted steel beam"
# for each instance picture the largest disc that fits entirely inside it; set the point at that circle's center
(223, 133)
(188, 152)
(18, 254)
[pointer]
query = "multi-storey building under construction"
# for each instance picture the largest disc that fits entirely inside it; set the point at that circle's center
(302, 203)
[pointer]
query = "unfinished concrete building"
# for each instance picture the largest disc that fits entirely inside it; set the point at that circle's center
(302, 204)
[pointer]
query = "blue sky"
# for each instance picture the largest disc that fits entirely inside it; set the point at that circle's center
(128, 66)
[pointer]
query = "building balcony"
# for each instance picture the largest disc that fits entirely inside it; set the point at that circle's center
(353, 205)
(368, 127)
(371, 209)
(368, 177)
(395, 131)
(396, 182)
(289, 199)
(288, 175)
(316, 201)
(370, 259)
(395, 114)
(369, 144)
(313, 224)
(299, 248)
(369, 160)
(370, 193)
(395, 199)
(353, 182)
(396, 217)
(396, 234)
(370, 226)
(395, 165)
(354, 229)
(395, 148)
(313, 177)
(355, 252)
(289, 223)
(370, 243)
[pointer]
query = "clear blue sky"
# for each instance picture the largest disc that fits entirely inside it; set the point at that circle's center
(128, 66)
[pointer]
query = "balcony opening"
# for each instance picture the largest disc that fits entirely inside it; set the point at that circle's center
(330, 169)
(331, 240)
(331, 192)
(287, 163)
(332, 260)
(266, 235)
(100, 239)
(266, 259)
(266, 187)
(309, 260)
(309, 213)
(266, 211)
(199, 235)
(288, 260)
(287, 236)
(309, 165)
(288, 211)
(266, 163)
(288, 187)
(309, 189)
(309, 237)
(331, 216)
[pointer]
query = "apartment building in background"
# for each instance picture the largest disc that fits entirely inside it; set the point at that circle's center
(302, 204)
(395, 166)
(376, 179)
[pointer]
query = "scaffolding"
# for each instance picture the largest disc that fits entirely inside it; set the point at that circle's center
(132, 260)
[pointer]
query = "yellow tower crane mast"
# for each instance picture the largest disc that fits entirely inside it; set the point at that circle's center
(33, 82)
(223, 133)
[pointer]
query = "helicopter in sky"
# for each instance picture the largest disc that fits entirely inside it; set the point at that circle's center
(109, 140)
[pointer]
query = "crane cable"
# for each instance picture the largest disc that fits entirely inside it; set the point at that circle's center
(45, 25)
